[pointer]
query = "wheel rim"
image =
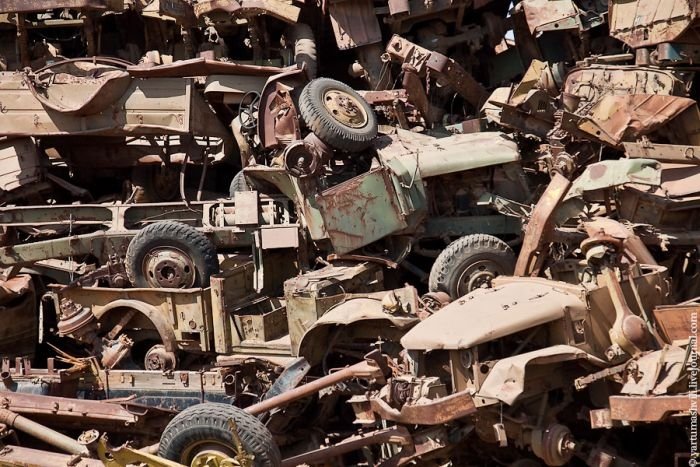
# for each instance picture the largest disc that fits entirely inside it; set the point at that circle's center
(208, 453)
(478, 274)
(169, 268)
(345, 108)
(159, 359)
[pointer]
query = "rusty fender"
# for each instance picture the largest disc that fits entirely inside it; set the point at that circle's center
(539, 226)
(437, 412)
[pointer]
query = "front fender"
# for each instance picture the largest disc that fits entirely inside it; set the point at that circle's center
(366, 310)
(510, 378)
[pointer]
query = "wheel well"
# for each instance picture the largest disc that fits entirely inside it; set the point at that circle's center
(146, 316)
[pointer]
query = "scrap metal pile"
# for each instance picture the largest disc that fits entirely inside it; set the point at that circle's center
(286, 232)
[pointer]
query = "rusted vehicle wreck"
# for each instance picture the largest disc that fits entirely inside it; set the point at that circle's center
(216, 255)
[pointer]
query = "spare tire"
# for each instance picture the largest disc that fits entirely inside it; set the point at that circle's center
(239, 183)
(338, 115)
(470, 262)
(203, 433)
(170, 255)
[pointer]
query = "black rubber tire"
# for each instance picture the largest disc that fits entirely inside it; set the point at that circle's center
(239, 183)
(209, 421)
(195, 244)
(302, 36)
(459, 255)
(145, 185)
(326, 127)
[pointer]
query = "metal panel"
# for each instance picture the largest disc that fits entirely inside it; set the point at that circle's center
(360, 211)
(649, 22)
(152, 106)
(247, 210)
(676, 321)
(354, 23)
(20, 163)
(279, 237)
(647, 408)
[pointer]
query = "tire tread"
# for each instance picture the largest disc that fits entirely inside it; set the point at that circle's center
(461, 250)
(319, 121)
(210, 421)
(176, 231)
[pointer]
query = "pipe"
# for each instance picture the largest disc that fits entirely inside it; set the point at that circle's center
(8, 381)
(362, 369)
(637, 247)
(40, 432)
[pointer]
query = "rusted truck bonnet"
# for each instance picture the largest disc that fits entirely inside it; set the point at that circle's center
(456, 153)
(485, 315)
(617, 119)
(609, 174)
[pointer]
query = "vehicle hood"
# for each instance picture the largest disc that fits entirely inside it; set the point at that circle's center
(368, 310)
(487, 314)
(451, 154)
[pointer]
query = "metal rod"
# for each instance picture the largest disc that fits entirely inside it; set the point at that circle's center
(38, 431)
(393, 435)
(357, 370)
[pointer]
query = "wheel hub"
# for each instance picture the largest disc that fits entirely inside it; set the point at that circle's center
(480, 279)
(169, 268)
(212, 458)
(210, 453)
(345, 108)
(159, 359)
(478, 275)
